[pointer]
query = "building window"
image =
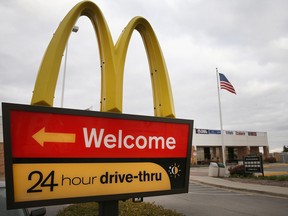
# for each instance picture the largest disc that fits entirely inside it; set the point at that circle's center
(207, 154)
(232, 155)
(200, 154)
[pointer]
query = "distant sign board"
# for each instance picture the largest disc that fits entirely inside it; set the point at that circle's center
(206, 131)
(253, 164)
(56, 156)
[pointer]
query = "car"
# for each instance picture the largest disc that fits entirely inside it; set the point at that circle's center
(16, 212)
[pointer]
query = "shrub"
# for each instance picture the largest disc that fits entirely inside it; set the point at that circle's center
(127, 208)
(275, 178)
(271, 160)
(282, 178)
(238, 171)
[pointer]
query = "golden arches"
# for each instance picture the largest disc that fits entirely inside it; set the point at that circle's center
(162, 95)
(48, 72)
(112, 62)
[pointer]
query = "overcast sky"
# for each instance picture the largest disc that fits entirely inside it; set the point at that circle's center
(247, 40)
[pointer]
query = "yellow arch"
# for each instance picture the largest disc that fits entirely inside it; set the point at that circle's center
(48, 72)
(162, 94)
(112, 62)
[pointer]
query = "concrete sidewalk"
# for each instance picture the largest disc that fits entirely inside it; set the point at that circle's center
(201, 175)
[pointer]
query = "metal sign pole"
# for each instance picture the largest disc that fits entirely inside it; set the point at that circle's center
(221, 123)
(261, 162)
(110, 208)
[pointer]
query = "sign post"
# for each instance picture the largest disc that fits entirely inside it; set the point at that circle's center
(56, 156)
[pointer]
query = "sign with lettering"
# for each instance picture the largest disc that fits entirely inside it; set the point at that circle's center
(55, 156)
(253, 164)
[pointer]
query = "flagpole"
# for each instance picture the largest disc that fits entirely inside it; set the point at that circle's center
(221, 124)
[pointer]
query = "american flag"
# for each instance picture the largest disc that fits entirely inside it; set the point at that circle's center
(225, 84)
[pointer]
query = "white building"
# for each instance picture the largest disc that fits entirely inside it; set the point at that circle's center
(207, 145)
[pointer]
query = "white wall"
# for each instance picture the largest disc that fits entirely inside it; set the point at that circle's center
(201, 139)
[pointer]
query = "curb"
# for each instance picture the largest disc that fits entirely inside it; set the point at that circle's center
(242, 189)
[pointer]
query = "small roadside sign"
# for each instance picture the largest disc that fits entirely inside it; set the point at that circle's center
(253, 164)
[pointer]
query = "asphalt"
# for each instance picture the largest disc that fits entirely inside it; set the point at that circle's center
(200, 174)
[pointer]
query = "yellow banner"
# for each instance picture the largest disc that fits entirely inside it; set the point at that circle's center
(70, 180)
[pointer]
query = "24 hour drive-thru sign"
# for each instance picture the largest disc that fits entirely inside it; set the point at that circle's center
(57, 156)
(61, 156)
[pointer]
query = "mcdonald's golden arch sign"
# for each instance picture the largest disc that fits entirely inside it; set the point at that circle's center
(112, 61)
(57, 156)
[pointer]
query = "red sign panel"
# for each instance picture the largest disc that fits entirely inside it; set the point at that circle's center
(46, 135)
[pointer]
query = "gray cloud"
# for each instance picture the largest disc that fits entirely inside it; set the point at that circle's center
(247, 40)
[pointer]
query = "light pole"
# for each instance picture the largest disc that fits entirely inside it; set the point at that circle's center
(75, 29)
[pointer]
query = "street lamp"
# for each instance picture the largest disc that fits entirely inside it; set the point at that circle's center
(75, 29)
